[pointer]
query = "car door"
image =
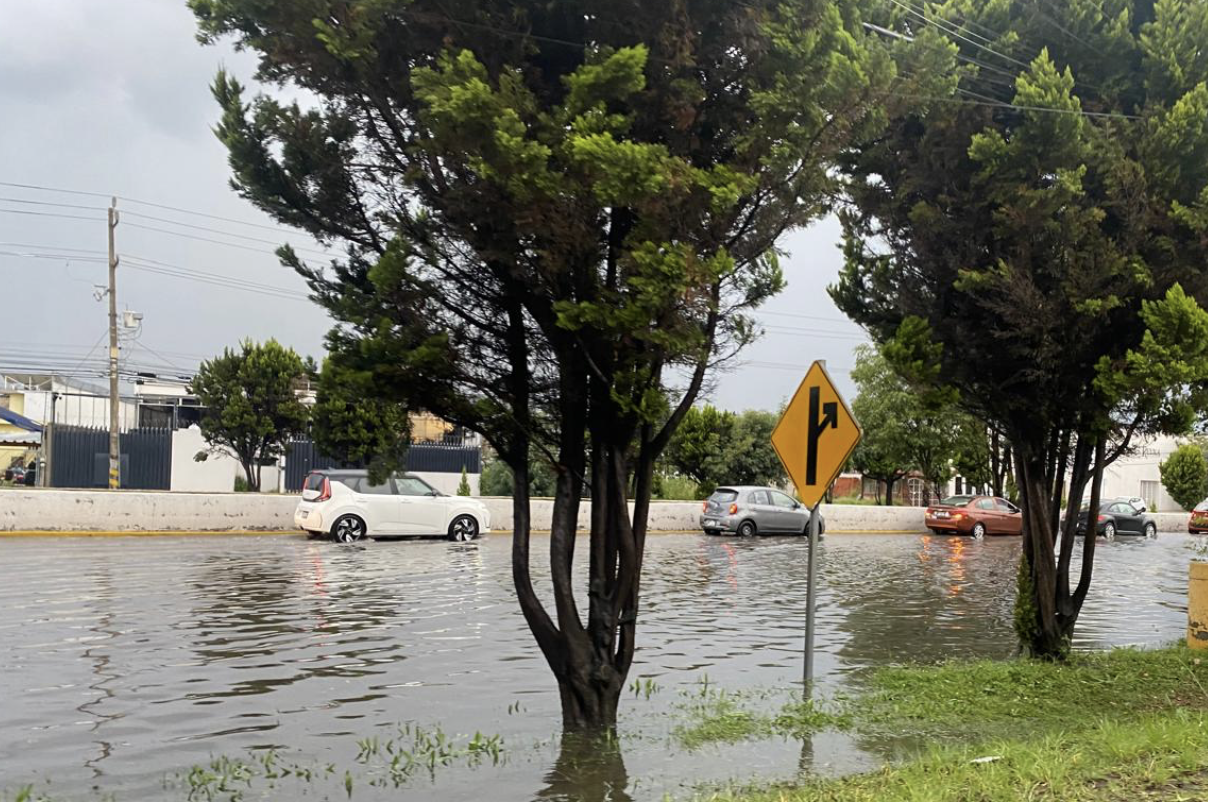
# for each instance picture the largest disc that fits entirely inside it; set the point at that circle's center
(762, 511)
(791, 516)
(379, 504)
(1010, 518)
(1127, 518)
(422, 512)
(987, 515)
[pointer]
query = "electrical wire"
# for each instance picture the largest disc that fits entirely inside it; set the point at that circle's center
(221, 231)
(52, 214)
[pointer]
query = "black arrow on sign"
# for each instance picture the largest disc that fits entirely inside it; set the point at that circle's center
(829, 420)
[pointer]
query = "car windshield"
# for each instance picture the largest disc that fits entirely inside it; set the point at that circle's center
(724, 495)
(956, 501)
(1202, 506)
(314, 482)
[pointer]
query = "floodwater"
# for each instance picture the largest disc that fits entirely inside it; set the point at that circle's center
(124, 662)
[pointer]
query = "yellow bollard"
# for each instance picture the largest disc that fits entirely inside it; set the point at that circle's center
(1197, 605)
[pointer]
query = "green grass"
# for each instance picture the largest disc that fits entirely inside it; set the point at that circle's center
(963, 695)
(1159, 756)
(718, 716)
(855, 500)
(1121, 725)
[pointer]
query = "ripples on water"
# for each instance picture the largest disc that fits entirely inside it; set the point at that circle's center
(123, 661)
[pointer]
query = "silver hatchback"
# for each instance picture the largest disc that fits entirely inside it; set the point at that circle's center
(749, 511)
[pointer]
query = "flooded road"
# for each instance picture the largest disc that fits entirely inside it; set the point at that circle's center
(124, 662)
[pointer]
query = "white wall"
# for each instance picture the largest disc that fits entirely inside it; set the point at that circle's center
(76, 410)
(1125, 475)
(448, 482)
(217, 473)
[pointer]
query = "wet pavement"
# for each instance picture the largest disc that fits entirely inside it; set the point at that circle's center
(124, 662)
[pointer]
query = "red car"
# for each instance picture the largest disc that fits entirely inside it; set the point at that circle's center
(1198, 523)
(976, 516)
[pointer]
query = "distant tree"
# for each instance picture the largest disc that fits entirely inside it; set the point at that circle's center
(904, 431)
(698, 448)
(971, 455)
(749, 458)
(1035, 242)
(1185, 475)
(463, 489)
(356, 427)
(251, 403)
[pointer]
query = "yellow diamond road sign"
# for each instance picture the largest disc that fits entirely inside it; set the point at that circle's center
(815, 435)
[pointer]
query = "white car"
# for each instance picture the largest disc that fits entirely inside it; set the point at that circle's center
(346, 505)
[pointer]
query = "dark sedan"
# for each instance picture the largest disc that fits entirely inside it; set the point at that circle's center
(1120, 518)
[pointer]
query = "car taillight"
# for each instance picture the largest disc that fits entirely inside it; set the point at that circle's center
(326, 494)
(733, 509)
(704, 507)
(956, 516)
(1102, 518)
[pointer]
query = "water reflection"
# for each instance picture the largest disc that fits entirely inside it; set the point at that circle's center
(588, 769)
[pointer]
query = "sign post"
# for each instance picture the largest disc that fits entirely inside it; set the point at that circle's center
(814, 437)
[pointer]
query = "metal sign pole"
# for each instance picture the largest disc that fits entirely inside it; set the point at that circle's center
(811, 595)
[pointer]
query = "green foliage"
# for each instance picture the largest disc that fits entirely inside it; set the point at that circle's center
(354, 426)
(241, 485)
(556, 217)
(673, 487)
(716, 447)
(496, 478)
(463, 487)
(251, 405)
(1043, 264)
(971, 457)
(750, 458)
(904, 429)
(699, 447)
(1185, 475)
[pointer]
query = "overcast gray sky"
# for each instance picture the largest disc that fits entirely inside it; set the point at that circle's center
(113, 98)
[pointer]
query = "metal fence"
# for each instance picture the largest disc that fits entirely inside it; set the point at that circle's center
(303, 456)
(79, 457)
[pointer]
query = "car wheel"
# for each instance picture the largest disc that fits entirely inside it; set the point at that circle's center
(348, 529)
(1151, 531)
(463, 528)
(979, 530)
(746, 529)
(1109, 530)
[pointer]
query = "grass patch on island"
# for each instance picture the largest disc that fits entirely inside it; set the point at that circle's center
(1033, 695)
(1158, 756)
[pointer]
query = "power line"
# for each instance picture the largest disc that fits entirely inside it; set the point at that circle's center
(50, 203)
(53, 189)
(224, 233)
(217, 280)
(51, 214)
(152, 204)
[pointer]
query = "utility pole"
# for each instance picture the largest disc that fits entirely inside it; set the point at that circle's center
(115, 455)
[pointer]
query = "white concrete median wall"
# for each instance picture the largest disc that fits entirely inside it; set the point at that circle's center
(133, 510)
(684, 516)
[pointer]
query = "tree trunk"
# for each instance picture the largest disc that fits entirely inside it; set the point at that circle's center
(253, 481)
(1045, 609)
(889, 483)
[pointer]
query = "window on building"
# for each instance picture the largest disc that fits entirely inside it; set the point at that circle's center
(1149, 492)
